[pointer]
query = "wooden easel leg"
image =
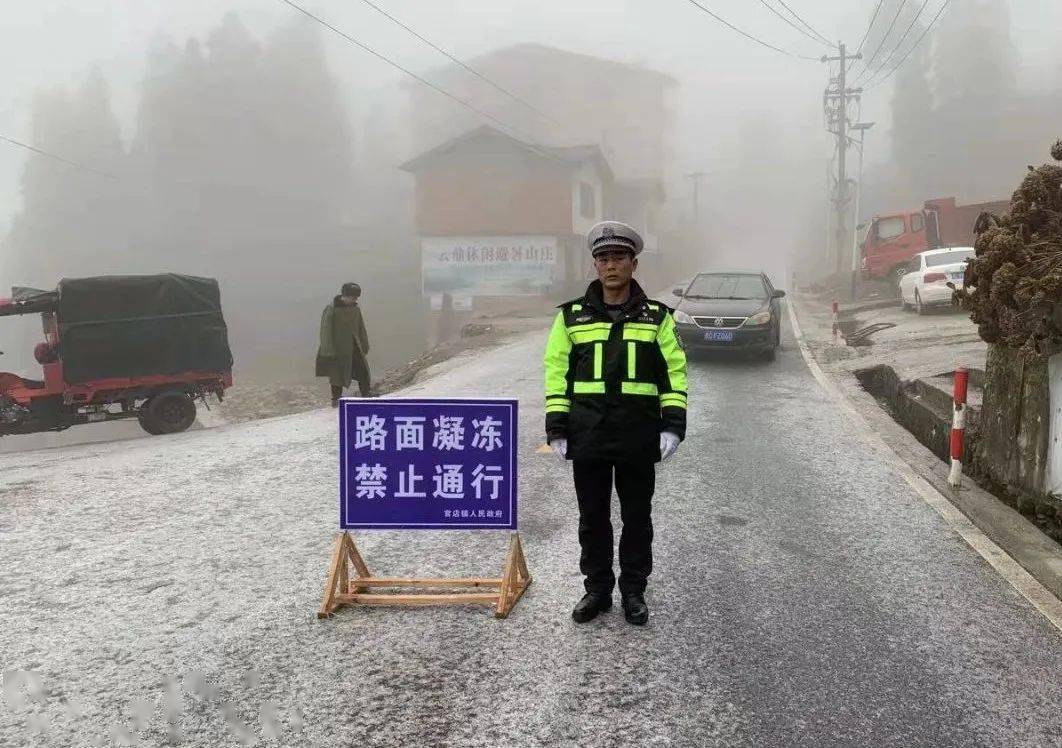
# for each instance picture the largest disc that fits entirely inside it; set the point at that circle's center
(521, 562)
(355, 557)
(360, 567)
(337, 570)
(521, 576)
(512, 586)
(506, 580)
(343, 584)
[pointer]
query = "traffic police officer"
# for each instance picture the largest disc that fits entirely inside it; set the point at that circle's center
(615, 406)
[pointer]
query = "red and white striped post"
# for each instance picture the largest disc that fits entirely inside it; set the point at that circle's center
(836, 326)
(958, 425)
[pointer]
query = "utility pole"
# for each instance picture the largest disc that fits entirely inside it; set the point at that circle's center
(696, 178)
(862, 127)
(836, 100)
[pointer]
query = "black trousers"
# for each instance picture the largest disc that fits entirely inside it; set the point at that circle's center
(360, 370)
(593, 487)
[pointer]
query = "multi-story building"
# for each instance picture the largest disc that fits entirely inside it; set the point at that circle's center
(566, 99)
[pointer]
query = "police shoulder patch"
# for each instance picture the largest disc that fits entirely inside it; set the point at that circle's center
(652, 313)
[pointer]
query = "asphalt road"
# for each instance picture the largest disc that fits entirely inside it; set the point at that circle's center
(803, 594)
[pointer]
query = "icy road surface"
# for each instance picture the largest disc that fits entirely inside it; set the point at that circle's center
(802, 595)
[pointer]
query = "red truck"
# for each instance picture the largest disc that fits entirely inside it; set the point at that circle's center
(144, 347)
(893, 239)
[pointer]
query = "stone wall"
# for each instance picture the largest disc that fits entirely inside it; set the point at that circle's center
(1014, 420)
(1012, 452)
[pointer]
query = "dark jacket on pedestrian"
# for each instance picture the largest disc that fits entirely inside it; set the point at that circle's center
(343, 339)
(614, 384)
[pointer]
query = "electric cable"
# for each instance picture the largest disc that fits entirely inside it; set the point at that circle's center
(745, 34)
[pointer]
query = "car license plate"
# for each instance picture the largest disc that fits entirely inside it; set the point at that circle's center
(719, 336)
(957, 276)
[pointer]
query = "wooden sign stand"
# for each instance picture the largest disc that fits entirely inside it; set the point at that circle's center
(344, 589)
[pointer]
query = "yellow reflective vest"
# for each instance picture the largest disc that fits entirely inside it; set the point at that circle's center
(612, 385)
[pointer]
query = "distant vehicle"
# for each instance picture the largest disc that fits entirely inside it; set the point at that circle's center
(118, 347)
(892, 240)
(668, 296)
(928, 273)
(736, 310)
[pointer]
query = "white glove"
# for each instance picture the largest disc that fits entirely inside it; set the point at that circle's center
(560, 446)
(669, 443)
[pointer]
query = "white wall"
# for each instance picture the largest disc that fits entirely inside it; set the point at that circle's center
(1053, 478)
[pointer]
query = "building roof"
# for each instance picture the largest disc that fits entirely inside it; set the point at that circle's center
(531, 51)
(490, 140)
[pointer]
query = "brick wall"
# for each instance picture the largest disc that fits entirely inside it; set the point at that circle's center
(501, 196)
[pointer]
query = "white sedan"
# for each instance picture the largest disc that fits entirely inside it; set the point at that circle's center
(928, 274)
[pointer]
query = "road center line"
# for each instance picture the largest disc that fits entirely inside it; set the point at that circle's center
(1021, 580)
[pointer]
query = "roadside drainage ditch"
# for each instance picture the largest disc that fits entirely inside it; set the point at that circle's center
(924, 408)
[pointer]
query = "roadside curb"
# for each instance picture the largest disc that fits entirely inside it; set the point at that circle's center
(1027, 559)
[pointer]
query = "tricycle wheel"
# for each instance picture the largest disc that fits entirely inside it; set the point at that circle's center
(167, 413)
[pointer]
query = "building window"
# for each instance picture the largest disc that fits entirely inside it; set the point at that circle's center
(587, 201)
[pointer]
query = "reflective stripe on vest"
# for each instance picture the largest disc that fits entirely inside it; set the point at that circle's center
(639, 388)
(588, 388)
(592, 333)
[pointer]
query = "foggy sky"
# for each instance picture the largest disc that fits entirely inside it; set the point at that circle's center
(747, 116)
(723, 78)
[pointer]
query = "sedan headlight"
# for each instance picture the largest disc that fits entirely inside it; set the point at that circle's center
(682, 318)
(760, 318)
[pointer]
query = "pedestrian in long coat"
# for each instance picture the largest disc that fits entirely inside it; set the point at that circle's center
(344, 344)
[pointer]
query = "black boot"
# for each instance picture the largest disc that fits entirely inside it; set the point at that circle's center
(591, 606)
(634, 609)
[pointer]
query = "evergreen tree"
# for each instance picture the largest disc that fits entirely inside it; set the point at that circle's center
(974, 71)
(913, 137)
(67, 220)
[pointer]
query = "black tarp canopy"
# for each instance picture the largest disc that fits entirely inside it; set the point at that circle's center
(27, 301)
(140, 325)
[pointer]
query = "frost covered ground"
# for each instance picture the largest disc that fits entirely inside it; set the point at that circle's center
(163, 591)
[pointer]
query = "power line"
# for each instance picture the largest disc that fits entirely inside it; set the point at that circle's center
(501, 125)
(778, 13)
(884, 39)
(806, 25)
(746, 34)
(54, 157)
(915, 46)
(900, 43)
(461, 63)
(873, 18)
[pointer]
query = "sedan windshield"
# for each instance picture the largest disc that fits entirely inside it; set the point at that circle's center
(727, 286)
(949, 258)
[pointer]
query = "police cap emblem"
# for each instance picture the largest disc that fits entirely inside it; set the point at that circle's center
(613, 234)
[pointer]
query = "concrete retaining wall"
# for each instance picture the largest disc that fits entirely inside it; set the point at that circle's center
(1012, 453)
(1016, 421)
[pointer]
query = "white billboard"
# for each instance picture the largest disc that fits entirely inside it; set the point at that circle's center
(489, 265)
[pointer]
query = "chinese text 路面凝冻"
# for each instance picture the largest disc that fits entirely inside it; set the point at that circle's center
(371, 432)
